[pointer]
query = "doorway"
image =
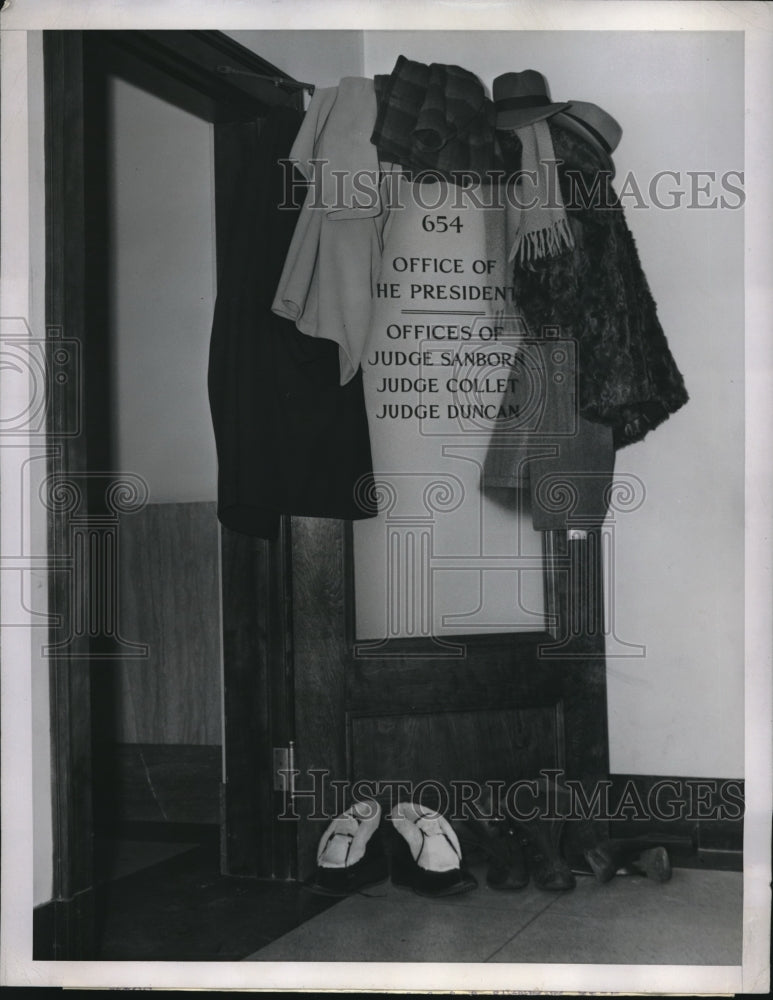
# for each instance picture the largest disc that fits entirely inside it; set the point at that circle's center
(149, 668)
(157, 708)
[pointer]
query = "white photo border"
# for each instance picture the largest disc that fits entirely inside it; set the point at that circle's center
(756, 21)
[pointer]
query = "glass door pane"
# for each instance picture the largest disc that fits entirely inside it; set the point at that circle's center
(444, 557)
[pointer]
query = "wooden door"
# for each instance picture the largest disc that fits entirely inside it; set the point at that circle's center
(401, 697)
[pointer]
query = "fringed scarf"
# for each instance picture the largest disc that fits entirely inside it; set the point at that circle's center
(598, 296)
(540, 228)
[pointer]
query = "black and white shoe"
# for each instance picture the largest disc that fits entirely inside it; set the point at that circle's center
(426, 855)
(350, 856)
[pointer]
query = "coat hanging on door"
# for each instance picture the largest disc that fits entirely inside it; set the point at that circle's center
(290, 439)
(598, 294)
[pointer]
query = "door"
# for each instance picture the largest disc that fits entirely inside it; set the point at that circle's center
(428, 660)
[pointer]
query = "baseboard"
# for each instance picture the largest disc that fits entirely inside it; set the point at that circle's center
(717, 860)
(703, 817)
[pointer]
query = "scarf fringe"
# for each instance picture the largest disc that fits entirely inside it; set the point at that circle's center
(546, 242)
(543, 229)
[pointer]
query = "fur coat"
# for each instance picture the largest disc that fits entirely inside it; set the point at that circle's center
(598, 294)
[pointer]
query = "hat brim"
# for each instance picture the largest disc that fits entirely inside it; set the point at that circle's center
(519, 117)
(572, 124)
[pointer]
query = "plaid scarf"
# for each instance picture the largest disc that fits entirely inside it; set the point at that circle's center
(434, 118)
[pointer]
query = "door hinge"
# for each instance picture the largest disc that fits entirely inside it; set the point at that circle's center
(284, 769)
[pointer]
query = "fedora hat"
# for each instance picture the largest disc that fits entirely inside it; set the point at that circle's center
(593, 124)
(523, 98)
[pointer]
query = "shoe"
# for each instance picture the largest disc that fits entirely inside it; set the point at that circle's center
(350, 855)
(654, 863)
(540, 841)
(499, 842)
(426, 854)
(606, 859)
(602, 862)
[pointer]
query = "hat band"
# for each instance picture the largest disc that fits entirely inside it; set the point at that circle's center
(511, 103)
(594, 132)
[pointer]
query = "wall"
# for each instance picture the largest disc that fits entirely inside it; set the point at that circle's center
(162, 271)
(169, 600)
(318, 57)
(678, 581)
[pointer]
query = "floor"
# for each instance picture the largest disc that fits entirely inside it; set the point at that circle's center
(167, 901)
(695, 919)
(116, 858)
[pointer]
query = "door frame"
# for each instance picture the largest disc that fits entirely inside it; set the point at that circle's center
(185, 69)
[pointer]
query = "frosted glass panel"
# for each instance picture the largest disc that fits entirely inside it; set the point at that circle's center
(443, 557)
(472, 570)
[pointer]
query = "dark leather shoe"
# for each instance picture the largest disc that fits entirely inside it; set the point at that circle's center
(607, 858)
(499, 843)
(602, 862)
(654, 863)
(540, 840)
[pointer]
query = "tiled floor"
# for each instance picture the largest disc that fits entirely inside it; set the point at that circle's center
(695, 919)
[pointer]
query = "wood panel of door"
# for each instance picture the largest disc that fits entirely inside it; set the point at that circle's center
(472, 709)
